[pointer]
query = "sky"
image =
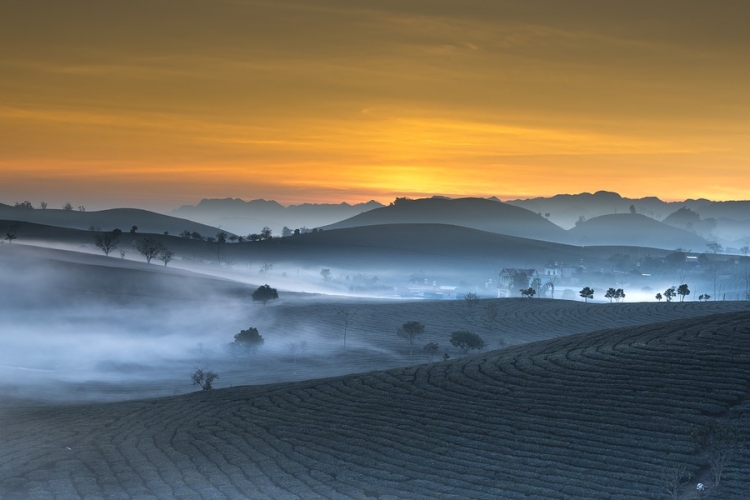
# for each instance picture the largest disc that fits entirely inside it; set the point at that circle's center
(159, 103)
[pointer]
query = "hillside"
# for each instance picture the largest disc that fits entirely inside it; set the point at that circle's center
(566, 209)
(596, 415)
(476, 213)
(636, 230)
(245, 217)
(107, 220)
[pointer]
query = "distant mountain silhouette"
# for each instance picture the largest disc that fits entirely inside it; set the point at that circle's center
(634, 229)
(107, 220)
(245, 217)
(475, 213)
(566, 209)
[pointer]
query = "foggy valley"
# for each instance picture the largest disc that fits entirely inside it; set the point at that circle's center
(82, 328)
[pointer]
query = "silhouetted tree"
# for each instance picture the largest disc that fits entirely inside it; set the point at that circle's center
(491, 314)
(196, 235)
(67, 206)
(43, 205)
(658, 297)
(587, 293)
(431, 349)
(265, 233)
(248, 341)
(704, 297)
(133, 229)
(683, 291)
(550, 285)
(346, 315)
(471, 300)
(10, 236)
(669, 293)
(25, 204)
(467, 341)
(149, 248)
(714, 247)
(610, 294)
(409, 331)
(632, 209)
(265, 293)
(204, 379)
(107, 242)
(166, 256)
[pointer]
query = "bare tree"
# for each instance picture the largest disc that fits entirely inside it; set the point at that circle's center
(166, 256)
(149, 248)
(346, 316)
(204, 379)
(714, 247)
(471, 300)
(673, 478)
(491, 314)
(107, 242)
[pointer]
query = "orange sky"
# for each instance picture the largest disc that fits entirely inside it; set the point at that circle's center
(158, 103)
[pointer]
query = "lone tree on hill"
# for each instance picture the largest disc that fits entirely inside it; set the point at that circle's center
(204, 379)
(587, 293)
(108, 242)
(149, 248)
(467, 341)
(658, 297)
(471, 300)
(166, 256)
(683, 291)
(265, 293)
(248, 341)
(669, 293)
(431, 349)
(409, 331)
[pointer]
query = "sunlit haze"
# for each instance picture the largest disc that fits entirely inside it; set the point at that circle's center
(163, 102)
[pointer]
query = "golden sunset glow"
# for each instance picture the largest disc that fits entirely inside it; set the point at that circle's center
(163, 102)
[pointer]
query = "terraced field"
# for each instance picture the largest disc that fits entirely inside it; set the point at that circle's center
(587, 416)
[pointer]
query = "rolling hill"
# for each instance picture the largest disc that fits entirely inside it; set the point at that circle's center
(245, 217)
(607, 414)
(107, 220)
(635, 229)
(476, 213)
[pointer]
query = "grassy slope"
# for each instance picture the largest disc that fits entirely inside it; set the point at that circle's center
(595, 415)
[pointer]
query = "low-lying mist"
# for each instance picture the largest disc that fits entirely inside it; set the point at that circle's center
(84, 331)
